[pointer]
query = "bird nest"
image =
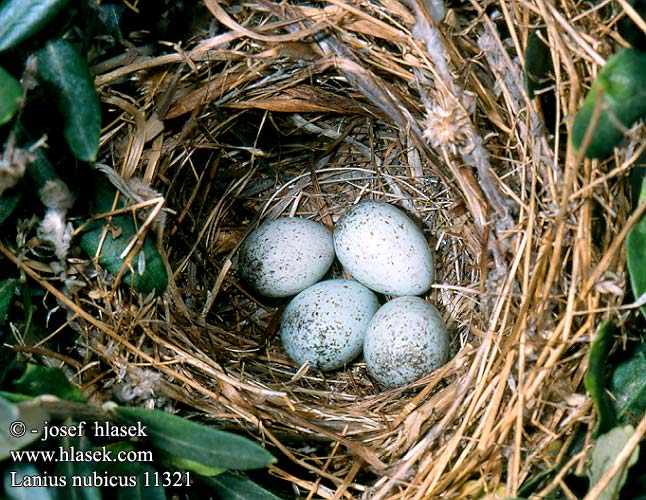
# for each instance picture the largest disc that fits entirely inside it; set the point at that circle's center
(275, 109)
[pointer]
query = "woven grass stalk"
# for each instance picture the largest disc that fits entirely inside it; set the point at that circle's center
(371, 100)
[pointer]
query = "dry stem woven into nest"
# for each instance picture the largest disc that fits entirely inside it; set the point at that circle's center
(292, 109)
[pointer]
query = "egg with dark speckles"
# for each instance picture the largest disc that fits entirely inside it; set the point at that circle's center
(283, 257)
(326, 323)
(384, 249)
(406, 339)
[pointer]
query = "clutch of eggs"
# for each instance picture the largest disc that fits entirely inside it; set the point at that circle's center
(328, 323)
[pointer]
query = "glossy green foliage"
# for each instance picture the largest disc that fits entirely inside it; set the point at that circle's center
(10, 95)
(145, 489)
(604, 453)
(20, 19)
(628, 386)
(7, 291)
(8, 203)
(37, 380)
(181, 463)
(636, 253)
(67, 74)
(196, 442)
(233, 487)
(595, 377)
(619, 96)
(86, 488)
(110, 237)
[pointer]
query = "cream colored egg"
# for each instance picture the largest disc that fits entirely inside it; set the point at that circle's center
(384, 249)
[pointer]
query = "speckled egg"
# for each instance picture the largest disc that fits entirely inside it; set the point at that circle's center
(384, 249)
(283, 257)
(406, 339)
(326, 323)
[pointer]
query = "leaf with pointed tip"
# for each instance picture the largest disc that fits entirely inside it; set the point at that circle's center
(24, 18)
(63, 68)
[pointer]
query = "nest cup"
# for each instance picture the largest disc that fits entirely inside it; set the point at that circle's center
(304, 110)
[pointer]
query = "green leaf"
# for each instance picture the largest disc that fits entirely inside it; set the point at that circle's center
(41, 170)
(10, 95)
(233, 487)
(595, 377)
(621, 88)
(14, 397)
(37, 380)
(628, 386)
(7, 291)
(80, 476)
(175, 462)
(8, 203)
(61, 66)
(605, 450)
(637, 175)
(116, 468)
(538, 63)
(24, 18)
(145, 488)
(152, 276)
(196, 442)
(21, 425)
(636, 254)
(16, 483)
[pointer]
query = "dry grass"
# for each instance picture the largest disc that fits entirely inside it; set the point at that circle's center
(287, 109)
